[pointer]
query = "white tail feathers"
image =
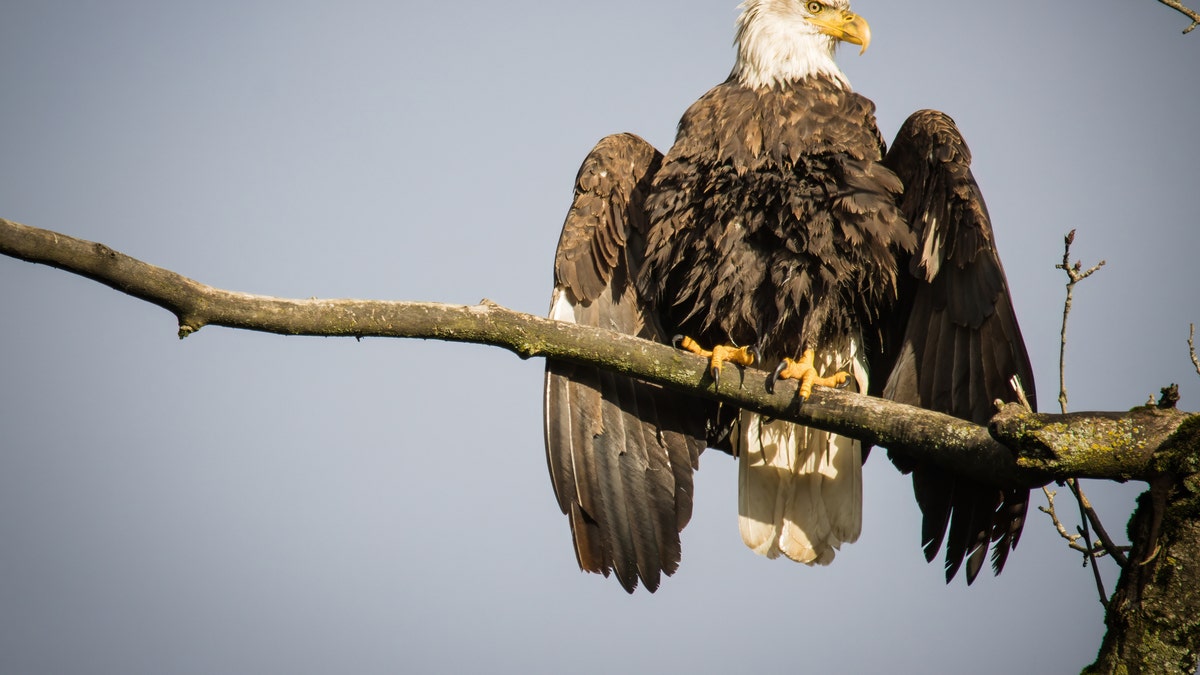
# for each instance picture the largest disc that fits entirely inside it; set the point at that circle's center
(800, 489)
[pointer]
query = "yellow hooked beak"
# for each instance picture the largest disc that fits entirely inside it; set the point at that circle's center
(843, 25)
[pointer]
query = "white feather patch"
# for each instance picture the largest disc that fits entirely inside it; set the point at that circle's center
(800, 489)
(561, 307)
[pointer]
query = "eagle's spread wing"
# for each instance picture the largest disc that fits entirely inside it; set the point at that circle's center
(621, 452)
(961, 344)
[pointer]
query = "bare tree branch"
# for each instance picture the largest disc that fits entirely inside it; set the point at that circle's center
(1074, 276)
(1089, 554)
(1189, 13)
(1192, 347)
(1103, 445)
(1087, 515)
(1072, 539)
(1095, 549)
(1104, 543)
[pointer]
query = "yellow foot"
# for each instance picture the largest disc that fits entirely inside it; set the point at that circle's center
(804, 371)
(742, 356)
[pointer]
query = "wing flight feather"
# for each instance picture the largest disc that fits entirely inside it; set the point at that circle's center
(961, 343)
(621, 452)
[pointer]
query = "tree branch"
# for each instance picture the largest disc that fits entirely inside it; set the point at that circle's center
(1189, 13)
(1104, 542)
(1087, 515)
(1192, 347)
(1074, 276)
(1102, 445)
(1092, 550)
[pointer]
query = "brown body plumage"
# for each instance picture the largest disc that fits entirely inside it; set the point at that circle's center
(772, 222)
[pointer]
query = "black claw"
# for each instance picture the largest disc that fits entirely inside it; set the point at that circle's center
(774, 377)
(676, 340)
(756, 353)
(715, 372)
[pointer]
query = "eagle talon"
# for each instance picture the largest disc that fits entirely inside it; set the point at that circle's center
(742, 356)
(804, 371)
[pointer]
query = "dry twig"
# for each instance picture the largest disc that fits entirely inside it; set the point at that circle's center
(1097, 549)
(1192, 347)
(1189, 13)
(1072, 539)
(1104, 542)
(1074, 276)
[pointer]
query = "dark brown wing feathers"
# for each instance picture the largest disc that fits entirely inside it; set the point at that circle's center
(610, 189)
(961, 343)
(621, 452)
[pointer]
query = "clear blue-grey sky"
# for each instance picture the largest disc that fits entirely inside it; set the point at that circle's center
(246, 503)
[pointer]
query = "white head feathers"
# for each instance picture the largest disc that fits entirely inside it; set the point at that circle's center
(783, 41)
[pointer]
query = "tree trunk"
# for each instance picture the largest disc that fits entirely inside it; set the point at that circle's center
(1153, 618)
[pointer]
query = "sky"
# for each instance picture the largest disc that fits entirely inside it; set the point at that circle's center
(249, 503)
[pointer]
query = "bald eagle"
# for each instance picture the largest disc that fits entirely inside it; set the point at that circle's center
(781, 224)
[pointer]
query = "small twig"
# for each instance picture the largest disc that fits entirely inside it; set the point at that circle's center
(1189, 13)
(1104, 541)
(1083, 519)
(1074, 276)
(1192, 346)
(1094, 551)
(1072, 539)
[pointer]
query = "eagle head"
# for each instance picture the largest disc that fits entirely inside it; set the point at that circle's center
(784, 41)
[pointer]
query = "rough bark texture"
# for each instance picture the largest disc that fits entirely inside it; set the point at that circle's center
(1154, 616)
(1092, 444)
